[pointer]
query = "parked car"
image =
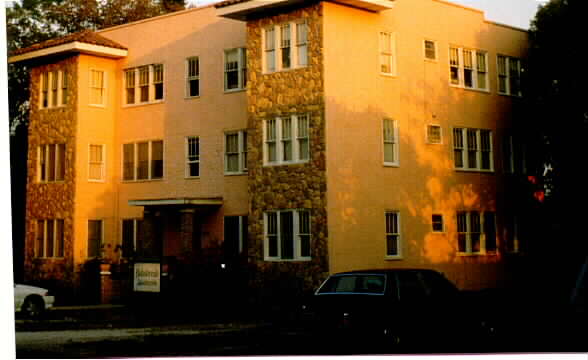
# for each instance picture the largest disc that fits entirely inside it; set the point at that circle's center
(32, 301)
(399, 306)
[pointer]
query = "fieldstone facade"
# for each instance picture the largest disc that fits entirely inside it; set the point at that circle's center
(295, 186)
(51, 200)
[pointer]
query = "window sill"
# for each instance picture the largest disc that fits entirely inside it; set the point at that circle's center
(53, 107)
(510, 95)
(235, 173)
(141, 181)
(435, 61)
(97, 181)
(231, 91)
(475, 171)
(483, 91)
(100, 106)
(287, 260)
(493, 253)
(389, 75)
(191, 97)
(393, 258)
(265, 72)
(143, 104)
(392, 165)
(50, 258)
(192, 177)
(286, 163)
(51, 182)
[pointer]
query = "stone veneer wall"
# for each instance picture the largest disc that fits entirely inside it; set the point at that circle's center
(51, 200)
(298, 186)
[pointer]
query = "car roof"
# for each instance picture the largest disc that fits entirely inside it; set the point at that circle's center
(382, 271)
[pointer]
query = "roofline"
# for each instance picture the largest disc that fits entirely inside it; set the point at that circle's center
(155, 18)
(460, 6)
(506, 26)
(75, 46)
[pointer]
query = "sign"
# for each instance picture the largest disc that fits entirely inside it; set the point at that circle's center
(147, 277)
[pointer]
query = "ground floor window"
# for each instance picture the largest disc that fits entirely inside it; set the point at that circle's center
(476, 232)
(130, 236)
(95, 231)
(393, 234)
(235, 235)
(49, 239)
(287, 235)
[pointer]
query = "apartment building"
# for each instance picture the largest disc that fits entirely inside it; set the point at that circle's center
(299, 137)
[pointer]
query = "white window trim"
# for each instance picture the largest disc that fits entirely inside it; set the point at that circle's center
(188, 78)
(151, 98)
(188, 162)
(468, 251)
(88, 237)
(279, 147)
(44, 255)
(296, 236)
(398, 256)
(396, 147)
(241, 134)
(461, 69)
(394, 70)
(102, 165)
(436, 59)
(478, 150)
(241, 86)
(136, 159)
(507, 65)
(104, 89)
(427, 139)
(294, 62)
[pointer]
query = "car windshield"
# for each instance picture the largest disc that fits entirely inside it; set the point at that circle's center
(356, 283)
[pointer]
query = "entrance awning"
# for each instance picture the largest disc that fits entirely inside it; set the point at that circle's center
(178, 201)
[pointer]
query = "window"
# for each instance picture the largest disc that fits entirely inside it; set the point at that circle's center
(392, 234)
(387, 59)
(357, 283)
(51, 162)
(64, 86)
(476, 232)
(192, 156)
(515, 234)
(49, 239)
(437, 223)
(144, 84)
(131, 228)
(143, 160)
(286, 140)
(236, 152)
(292, 43)
(287, 235)
(390, 139)
(235, 235)
(96, 163)
(94, 238)
(515, 155)
(430, 50)
(54, 87)
(45, 90)
(235, 69)
(97, 87)
(472, 149)
(468, 68)
(509, 75)
(434, 134)
(192, 77)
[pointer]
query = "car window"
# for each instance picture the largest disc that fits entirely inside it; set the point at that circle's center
(370, 284)
(411, 286)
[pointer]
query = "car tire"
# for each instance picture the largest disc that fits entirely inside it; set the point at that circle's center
(33, 307)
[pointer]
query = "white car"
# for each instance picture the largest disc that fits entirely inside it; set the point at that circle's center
(32, 301)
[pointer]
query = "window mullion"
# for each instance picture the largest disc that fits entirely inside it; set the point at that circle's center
(296, 234)
(279, 147)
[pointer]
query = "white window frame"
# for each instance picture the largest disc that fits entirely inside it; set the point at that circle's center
(296, 62)
(150, 85)
(475, 71)
(394, 141)
(507, 75)
(187, 157)
(45, 163)
(296, 235)
(58, 242)
(428, 134)
(102, 163)
(478, 150)
(192, 77)
(468, 233)
(435, 58)
(101, 240)
(103, 89)
(391, 53)
(149, 161)
(241, 152)
(241, 69)
(397, 234)
(295, 140)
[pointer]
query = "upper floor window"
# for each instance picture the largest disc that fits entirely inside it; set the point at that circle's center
(96, 165)
(51, 162)
(64, 86)
(387, 53)
(472, 149)
(390, 138)
(45, 90)
(287, 235)
(509, 75)
(49, 240)
(515, 155)
(143, 160)
(476, 232)
(437, 223)
(292, 42)
(53, 89)
(235, 69)
(97, 87)
(286, 140)
(236, 152)
(192, 156)
(144, 84)
(192, 77)
(434, 134)
(430, 49)
(468, 68)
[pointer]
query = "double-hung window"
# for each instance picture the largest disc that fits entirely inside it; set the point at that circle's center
(286, 140)
(476, 232)
(390, 138)
(393, 234)
(387, 53)
(287, 235)
(430, 50)
(434, 134)
(509, 75)
(53, 89)
(515, 157)
(51, 162)
(235, 69)
(131, 228)
(285, 46)
(96, 166)
(468, 68)
(236, 152)
(472, 149)
(97, 87)
(193, 77)
(143, 160)
(49, 240)
(192, 157)
(144, 84)
(95, 239)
